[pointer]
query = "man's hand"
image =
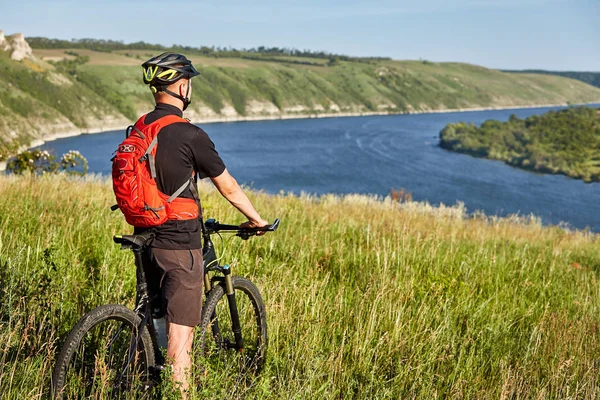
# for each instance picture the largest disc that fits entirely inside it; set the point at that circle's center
(255, 224)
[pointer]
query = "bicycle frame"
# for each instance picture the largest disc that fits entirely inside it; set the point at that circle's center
(212, 264)
(142, 303)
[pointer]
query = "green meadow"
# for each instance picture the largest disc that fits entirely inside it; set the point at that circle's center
(366, 298)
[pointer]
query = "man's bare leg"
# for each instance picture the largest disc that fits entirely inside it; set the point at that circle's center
(179, 350)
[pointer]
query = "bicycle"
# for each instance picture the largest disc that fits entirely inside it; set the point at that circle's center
(113, 352)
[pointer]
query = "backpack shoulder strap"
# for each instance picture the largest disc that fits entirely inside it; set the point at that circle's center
(139, 124)
(161, 122)
(168, 120)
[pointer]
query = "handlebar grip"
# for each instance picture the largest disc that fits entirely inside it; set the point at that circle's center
(267, 228)
(274, 225)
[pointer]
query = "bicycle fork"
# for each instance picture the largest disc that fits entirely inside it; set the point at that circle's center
(233, 311)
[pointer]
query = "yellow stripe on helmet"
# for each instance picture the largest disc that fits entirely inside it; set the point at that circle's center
(163, 74)
(149, 73)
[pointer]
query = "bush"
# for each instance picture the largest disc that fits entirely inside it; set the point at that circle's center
(43, 162)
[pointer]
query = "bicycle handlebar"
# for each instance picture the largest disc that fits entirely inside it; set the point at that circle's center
(213, 226)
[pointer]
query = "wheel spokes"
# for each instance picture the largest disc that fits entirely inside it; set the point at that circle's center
(106, 363)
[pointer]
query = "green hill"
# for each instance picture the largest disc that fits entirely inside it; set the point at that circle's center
(37, 100)
(79, 89)
(559, 142)
(591, 78)
(365, 299)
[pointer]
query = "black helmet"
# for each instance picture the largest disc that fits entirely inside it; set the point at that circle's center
(167, 68)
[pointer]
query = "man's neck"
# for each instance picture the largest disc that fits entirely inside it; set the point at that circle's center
(170, 100)
(169, 108)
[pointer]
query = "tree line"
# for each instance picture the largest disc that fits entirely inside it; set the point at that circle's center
(212, 51)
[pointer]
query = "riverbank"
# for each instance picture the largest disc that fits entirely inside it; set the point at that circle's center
(112, 125)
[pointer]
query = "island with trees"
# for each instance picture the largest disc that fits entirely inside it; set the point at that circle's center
(558, 142)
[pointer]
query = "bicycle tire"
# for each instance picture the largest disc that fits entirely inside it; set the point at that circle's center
(216, 348)
(79, 370)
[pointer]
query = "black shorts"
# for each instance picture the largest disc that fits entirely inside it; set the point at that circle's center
(175, 279)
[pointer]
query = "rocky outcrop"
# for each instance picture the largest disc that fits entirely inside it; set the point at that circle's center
(16, 45)
(20, 47)
(4, 46)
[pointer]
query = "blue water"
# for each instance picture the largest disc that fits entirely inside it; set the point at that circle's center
(373, 155)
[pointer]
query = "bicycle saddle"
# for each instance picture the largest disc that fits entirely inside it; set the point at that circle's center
(129, 241)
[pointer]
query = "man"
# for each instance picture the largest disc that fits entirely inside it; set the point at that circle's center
(183, 151)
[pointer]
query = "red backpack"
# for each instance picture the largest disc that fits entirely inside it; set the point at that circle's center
(134, 184)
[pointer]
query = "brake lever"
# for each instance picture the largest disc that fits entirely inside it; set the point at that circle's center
(245, 235)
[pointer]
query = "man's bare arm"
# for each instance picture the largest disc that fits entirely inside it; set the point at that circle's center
(229, 188)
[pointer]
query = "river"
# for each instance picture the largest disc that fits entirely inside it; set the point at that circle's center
(374, 154)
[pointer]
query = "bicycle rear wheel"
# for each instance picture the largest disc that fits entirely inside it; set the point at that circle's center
(104, 356)
(216, 338)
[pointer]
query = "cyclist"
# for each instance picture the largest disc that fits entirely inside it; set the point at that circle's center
(175, 271)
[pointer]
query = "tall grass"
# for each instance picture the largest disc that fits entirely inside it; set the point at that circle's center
(366, 298)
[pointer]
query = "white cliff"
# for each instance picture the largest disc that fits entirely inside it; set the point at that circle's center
(16, 45)
(20, 47)
(4, 46)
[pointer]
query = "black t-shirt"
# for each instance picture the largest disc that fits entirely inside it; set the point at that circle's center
(182, 148)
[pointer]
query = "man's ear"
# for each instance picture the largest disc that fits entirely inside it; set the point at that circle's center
(183, 88)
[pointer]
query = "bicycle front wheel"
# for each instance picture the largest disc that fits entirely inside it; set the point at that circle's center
(216, 337)
(104, 356)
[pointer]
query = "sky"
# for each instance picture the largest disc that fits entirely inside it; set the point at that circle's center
(505, 34)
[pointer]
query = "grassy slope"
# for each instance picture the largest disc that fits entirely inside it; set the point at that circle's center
(591, 78)
(365, 299)
(387, 85)
(559, 142)
(35, 98)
